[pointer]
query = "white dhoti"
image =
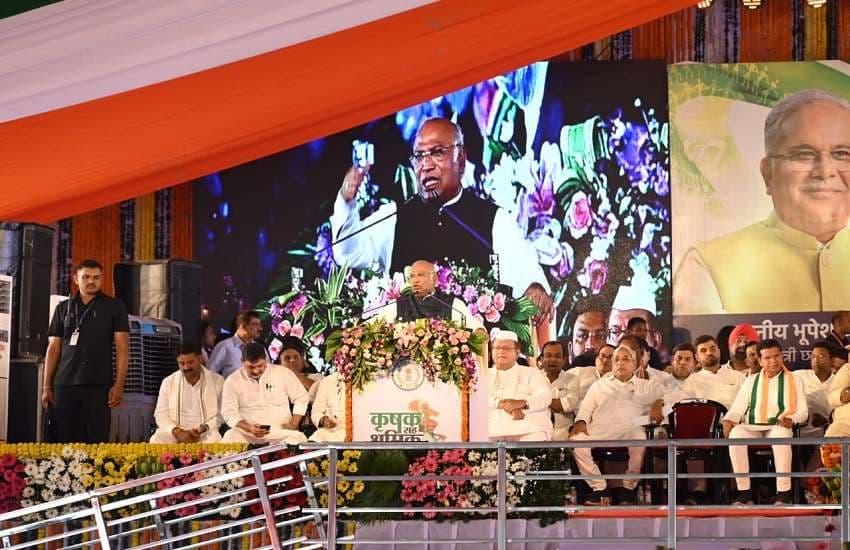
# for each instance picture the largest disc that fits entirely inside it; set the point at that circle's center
(584, 457)
(165, 437)
(741, 460)
(290, 437)
(561, 434)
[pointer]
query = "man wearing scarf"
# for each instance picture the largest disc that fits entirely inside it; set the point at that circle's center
(768, 404)
(187, 410)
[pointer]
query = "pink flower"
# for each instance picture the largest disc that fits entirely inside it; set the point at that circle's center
(166, 457)
(492, 315)
(8, 460)
(186, 459)
(483, 303)
(318, 339)
(499, 301)
(297, 331)
(469, 294)
(284, 327)
(594, 275)
(579, 214)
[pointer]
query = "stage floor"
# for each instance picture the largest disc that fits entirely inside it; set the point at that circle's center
(612, 524)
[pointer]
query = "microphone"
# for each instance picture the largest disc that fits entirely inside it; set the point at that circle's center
(365, 227)
(443, 302)
(404, 295)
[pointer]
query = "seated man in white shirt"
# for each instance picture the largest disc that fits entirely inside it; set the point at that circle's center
(328, 412)
(642, 352)
(564, 386)
(519, 396)
(768, 404)
(839, 398)
(816, 383)
(256, 401)
(607, 412)
(708, 359)
(187, 409)
(588, 375)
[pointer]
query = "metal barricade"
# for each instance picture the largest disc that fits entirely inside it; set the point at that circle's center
(139, 514)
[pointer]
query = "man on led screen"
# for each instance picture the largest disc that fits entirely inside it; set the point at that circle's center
(445, 223)
(802, 249)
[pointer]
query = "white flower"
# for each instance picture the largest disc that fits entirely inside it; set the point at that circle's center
(30, 469)
(46, 495)
(51, 513)
(28, 492)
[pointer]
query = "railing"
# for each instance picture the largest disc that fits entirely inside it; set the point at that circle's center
(256, 478)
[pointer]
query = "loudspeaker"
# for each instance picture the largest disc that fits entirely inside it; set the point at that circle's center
(25, 411)
(161, 289)
(26, 253)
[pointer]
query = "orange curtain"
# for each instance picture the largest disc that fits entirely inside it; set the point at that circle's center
(766, 32)
(96, 235)
(181, 222)
(101, 152)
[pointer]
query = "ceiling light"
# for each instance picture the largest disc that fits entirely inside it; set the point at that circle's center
(752, 4)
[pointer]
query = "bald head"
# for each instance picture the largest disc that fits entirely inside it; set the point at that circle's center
(423, 278)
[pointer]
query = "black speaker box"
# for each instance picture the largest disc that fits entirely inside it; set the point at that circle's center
(26, 253)
(162, 289)
(25, 413)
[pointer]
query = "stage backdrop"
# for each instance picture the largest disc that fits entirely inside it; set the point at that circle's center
(749, 231)
(577, 153)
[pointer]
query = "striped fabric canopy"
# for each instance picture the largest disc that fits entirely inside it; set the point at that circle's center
(104, 100)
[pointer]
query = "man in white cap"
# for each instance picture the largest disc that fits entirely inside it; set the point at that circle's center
(609, 411)
(519, 396)
(633, 312)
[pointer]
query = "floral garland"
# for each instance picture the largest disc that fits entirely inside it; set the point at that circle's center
(445, 350)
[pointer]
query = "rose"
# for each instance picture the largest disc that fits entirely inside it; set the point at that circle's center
(499, 301)
(579, 214)
(483, 303)
(594, 275)
(492, 315)
(297, 331)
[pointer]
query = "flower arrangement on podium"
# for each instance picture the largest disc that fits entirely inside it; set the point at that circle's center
(445, 350)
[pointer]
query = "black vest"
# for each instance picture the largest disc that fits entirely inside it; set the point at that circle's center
(411, 308)
(461, 231)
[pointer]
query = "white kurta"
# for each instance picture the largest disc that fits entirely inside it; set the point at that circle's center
(817, 399)
(700, 385)
(586, 376)
(330, 402)
(263, 401)
(840, 426)
(738, 412)
(183, 405)
(565, 389)
(725, 384)
(519, 382)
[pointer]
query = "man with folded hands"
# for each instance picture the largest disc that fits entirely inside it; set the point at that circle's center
(187, 410)
(519, 396)
(768, 404)
(256, 401)
(612, 409)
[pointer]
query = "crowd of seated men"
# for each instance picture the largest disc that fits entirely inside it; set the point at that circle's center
(610, 391)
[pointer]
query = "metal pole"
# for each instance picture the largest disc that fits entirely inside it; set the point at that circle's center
(164, 531)
(502, 495)
(671, 494)
(845, 501)
(311, 498)
(264, 500)
(331, 528)
(102, 534)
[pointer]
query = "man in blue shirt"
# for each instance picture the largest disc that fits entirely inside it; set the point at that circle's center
(226, 357)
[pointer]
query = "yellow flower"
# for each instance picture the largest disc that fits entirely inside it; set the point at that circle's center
(350, 495)
(359, 486)
(340, 501)
(313, 470)
(343, 486)
(352, 469)
(325, 466)
(323, 500)
(342, 465)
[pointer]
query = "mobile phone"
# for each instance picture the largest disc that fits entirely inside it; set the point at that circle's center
(266, 427)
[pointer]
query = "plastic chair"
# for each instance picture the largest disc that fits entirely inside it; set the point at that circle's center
(699, 419)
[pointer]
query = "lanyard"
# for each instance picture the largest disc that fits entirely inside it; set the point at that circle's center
(82, 318)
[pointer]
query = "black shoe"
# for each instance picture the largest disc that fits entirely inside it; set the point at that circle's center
(624, 497)
(695, 498)
(783, 497)
(743, 498)
(598, 498)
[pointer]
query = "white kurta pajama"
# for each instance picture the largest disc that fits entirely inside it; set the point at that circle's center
(753, 420)
(608, 410)
(840, 426)
(181, 404)
(330, 402)
(525, 383)
(565, 389)
(817, 399)
(263, 401)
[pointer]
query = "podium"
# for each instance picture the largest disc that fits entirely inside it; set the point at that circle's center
(422, 380)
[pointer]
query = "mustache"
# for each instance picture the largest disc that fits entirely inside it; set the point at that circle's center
(822, 185)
